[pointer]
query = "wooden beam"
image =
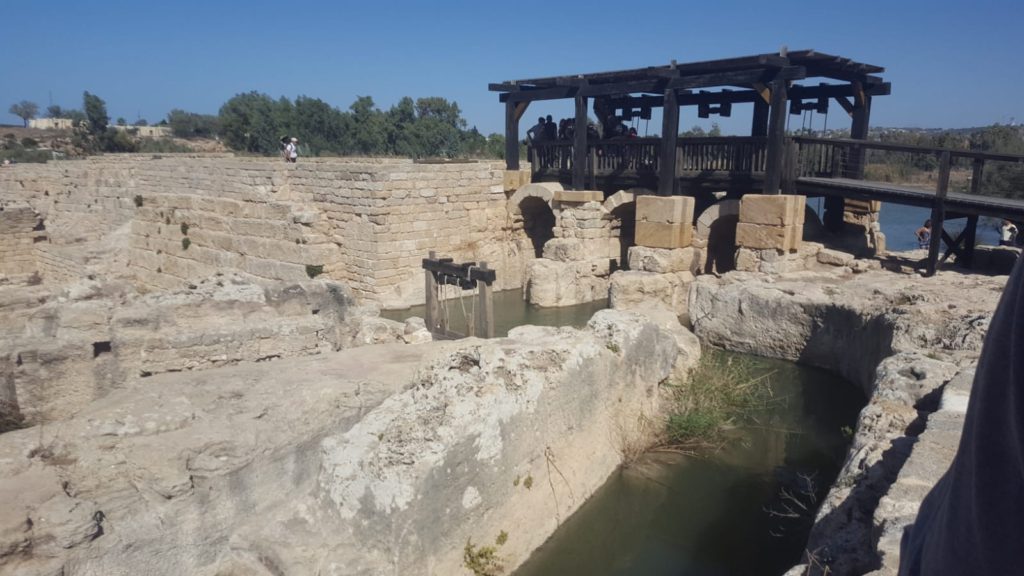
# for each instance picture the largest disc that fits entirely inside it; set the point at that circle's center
(433, 307)
(669, 139)
(776, 137)
(759, 123)
(484, 321)
(579, 148)
(938, 213)
(521, 109)
(763, 91)
(743, 77)
(512, 115)
(539, 94)
(845, 104)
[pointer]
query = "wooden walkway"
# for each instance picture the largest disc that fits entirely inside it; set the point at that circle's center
(956, 203)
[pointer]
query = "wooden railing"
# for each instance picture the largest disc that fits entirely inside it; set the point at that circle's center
(641, 156)
(721, 154)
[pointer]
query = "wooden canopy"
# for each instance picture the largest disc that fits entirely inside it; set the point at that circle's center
(767, 81)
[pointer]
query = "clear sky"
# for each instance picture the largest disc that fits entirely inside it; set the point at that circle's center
(951, 63)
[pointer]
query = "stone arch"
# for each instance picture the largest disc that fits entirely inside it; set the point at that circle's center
(716, 230)
(545, 191)
(621, 206)
(533, 213)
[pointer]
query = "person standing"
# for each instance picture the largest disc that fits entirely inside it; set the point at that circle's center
(291, 151)
(1007, 234)
(536, 134)
(924, 235)
(550, 129)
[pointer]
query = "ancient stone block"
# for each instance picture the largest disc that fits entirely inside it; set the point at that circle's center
(664, 209)
(772, 210)
(662, 260)
(511, 180)
(761, 237)
(578, 196)
(634, 290)
(662, 235)
(834, 257)
(564, 250)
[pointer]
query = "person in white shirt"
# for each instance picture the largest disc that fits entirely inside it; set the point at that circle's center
(1007, 234)
(291, 151)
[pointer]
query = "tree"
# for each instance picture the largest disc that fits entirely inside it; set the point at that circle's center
(25, 110)
(191, 125)
(54, 111)
(121, 121)
(249, 122)
(95, 113)
(141, 122)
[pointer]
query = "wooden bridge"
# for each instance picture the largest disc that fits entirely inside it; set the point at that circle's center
(769, 160)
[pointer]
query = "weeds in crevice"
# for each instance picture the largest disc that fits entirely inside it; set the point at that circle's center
(484, 560)
(722, 392)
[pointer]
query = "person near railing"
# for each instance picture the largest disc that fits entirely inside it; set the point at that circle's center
(550, 130)
(1007, 234)
(536, 133)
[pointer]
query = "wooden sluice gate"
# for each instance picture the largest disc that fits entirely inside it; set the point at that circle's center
(440, 272)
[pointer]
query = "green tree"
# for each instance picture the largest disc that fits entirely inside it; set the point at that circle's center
(95, 113)
(121, 121)
(25, 110)
(249, 122)
(369, 127)
(191, 125)
(54, 111)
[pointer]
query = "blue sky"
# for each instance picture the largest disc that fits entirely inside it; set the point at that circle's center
(951, 64)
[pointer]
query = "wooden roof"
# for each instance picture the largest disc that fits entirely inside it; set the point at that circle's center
(743, 71)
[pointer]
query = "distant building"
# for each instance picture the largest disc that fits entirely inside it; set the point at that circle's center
(147, 131)
(50, 123)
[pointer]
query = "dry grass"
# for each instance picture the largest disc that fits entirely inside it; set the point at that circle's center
(722, 392)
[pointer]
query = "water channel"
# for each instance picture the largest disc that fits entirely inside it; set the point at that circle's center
(743, 510)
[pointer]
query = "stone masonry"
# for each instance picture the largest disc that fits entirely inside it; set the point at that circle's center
(366, 222)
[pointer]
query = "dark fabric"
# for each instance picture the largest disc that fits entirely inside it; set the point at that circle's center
(972, 522)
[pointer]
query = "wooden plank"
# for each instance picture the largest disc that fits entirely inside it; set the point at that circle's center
(539, 94)
(859, 131)
(579, 149)
(938, 213)
(776, 137)
(845, 104)
(669, 138)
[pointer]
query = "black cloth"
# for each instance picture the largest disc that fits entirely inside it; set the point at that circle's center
(972, 521)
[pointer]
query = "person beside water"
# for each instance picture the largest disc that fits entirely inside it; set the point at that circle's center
(924, 235)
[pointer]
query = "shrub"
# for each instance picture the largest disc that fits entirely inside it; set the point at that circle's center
(184, 228)
(314, 271)
(138, 201)
(28, 142)
(185, 243)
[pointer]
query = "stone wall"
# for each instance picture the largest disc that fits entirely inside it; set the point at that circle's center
(367, 222)
(19, 228)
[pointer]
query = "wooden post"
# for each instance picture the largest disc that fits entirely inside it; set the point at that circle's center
(776, 138)
(485, 308)
(592, 168)
(579, 146)
(859, 131)
(790, 166)
(432, 305)
(511, 136)
(759, 124)
(669, 140)
(938, 212)
(977, 172)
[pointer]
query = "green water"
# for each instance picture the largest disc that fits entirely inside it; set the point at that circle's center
(718, 514)
(510, 310)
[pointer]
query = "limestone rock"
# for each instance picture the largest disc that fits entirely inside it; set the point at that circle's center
(663, 261)
(629, 290)
(834, 257)
(564, 250)
(553, 283)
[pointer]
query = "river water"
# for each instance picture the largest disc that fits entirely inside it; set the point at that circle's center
(742, 511)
